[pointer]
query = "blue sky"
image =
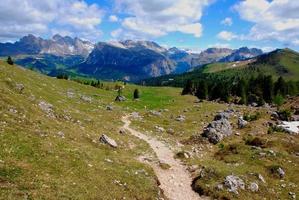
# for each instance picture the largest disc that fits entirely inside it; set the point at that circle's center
(192, 24)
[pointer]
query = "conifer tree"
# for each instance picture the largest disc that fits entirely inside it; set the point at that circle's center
(136, 94)
(10, 61)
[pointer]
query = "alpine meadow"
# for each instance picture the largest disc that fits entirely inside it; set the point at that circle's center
(149, 100)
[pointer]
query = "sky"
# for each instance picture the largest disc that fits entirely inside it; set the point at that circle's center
(189, 24)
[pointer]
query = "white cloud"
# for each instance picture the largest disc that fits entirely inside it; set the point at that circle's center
(113, 18)
(21, 17)
(273, 20)
(157, 18)
(227, 21)
(226, 35)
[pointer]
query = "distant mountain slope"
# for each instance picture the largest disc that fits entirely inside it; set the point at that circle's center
(243, 53)
(126, 60)
(281, 62)
(58, 46)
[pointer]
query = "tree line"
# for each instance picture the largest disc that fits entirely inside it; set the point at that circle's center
(260, 89)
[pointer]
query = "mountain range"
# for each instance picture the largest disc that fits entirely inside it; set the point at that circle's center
(127, 60)
(278, 63)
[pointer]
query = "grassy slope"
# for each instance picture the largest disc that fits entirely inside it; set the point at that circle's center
(278, 63)
(36, 162)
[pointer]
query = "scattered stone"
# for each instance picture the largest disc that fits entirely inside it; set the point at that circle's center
(106, 140)
(136, 115)
(219, 187)
(108, 160)
(109, 107)
(180, 118)
(160, 129)
(233, 183)
(242, 123)
(20, 87)
(292, 195)
(274, 116)
(60, 134)
(261, 178)
(70, 94)
(13, 110)
(155, 113)
(120, 98)
(85, 98)
(254, 187)
(219, 129)
(280, 172)
(47, 108)
(170, 131)
(122, 131)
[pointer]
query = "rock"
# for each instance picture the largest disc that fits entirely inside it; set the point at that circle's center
(122, 131)
(160, 129)
(292, 195)
(47, 108)
(170, 131)
(155, 113)
(222, 115)
(180, 118)
(219, 187)
(242, 123)
(60, 134)
(254, 104)
(70, 94)
(217, 130)
(109, 107)
(136, 115)
(20, 87)
(261, 178)
(254, 187)
(120, 98)
(85, 98)
(280, 172)
(233, 183)
(106, 140)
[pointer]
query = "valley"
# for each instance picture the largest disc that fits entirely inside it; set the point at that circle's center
(51, 130)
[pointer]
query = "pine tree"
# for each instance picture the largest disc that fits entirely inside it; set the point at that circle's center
(136, 94)
(268, 89)
(280, 87)
(242, 91)
(202, 90)
(10, 61)
(188, 89)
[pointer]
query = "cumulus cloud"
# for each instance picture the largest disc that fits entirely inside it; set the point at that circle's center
(273, 20)
(227, 21)
(226, 35)
(113, 18)
(21, 17)
(157, 18)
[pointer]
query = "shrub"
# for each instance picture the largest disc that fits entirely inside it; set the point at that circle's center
(10, 61)
(136, 94)
(250, 117)
(257, 142)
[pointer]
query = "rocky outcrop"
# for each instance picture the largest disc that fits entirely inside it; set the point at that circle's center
(242, 123)
(106, 140)
(233, 183)
(218, 129)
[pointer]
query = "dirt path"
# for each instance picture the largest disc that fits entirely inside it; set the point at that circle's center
(176, 181)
